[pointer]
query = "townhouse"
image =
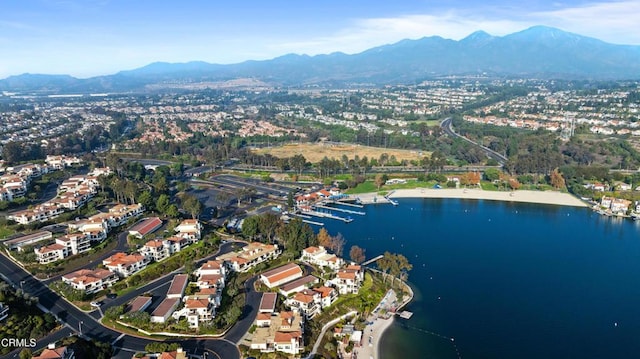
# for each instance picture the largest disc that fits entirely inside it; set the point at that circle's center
(90, 281)
(278, 332)
(196, 311)
(307, 301)
(190, 229)
(124, 264)
(320, 257)
(348, 280)
(69, 244)
(249, 256)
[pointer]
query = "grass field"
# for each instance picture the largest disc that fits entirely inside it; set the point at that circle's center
(314, 152)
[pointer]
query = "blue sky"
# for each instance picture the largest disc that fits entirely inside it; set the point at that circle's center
(95, 37)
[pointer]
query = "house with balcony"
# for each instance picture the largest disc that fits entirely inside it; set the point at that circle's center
(124, 264)
(278, 332)
(320, 257)
(51, 253)
(90, 281)
(191, 229)
(249, 256)
(196, 311)
(155, 250)
(307, 301)
(348, 280)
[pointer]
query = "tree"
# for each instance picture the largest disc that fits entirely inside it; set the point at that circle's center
(357, 254)
(557, 181)
(146, 199)
(162, 203)
(337, 244)
(380, 180)
(492, 174)
(250, 226)
(268, 225)
(298, 163)
(26, 353)
(290, 202)
(324, 238)
(191, 204)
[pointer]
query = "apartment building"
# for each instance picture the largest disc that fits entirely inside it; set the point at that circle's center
(249, 256)
(124, 264)
(90, 281)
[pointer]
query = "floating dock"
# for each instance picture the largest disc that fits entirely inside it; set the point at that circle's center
(405, 314)
(340, 210)
(328, 215)
(341, 203)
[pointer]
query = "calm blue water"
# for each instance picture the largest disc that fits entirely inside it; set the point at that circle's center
(514, 280)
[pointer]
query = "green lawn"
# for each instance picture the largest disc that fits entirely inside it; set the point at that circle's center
(364, 187)
(6, 232)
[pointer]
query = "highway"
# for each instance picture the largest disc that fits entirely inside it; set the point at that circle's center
(446, 127)
(87, 324)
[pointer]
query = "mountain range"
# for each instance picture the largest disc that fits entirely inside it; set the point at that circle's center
(539, 51)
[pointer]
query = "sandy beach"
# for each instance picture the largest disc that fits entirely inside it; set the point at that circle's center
(542, 197)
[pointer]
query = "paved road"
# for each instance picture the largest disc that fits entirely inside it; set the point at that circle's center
(446, 127)
(87, 324)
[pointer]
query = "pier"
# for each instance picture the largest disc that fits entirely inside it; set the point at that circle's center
(372, 260)
(345, 204)
(328, 215)
(340, 210)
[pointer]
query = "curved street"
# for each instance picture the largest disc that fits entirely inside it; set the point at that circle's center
(448, 129)
(88, 325)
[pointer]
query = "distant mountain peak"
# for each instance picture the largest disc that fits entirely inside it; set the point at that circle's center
(477, 35)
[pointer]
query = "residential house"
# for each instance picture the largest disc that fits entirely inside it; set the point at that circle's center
(306, 301)
(51, 253)
(328, 296)
(51, 352)
(249, 256)
(155, 250)
(348, 280)
(278, 332)
(124, 264)
(190, 229)
(281, 275)
(320, 257)
(196, 311)
(90, 281)
(620, 205)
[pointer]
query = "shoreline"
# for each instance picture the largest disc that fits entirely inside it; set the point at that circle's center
(521, 196)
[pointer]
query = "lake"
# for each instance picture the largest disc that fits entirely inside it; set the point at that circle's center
(507, 280)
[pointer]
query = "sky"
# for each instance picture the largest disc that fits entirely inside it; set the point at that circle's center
(85, 38)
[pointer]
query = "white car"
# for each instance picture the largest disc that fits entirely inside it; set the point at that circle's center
(95, 304)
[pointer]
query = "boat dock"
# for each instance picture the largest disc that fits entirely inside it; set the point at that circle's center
(405, 314)
(341, 203)
(328, 215)
(340, 210)
(313, 222)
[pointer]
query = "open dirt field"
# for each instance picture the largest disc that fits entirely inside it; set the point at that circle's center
(314, 152)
